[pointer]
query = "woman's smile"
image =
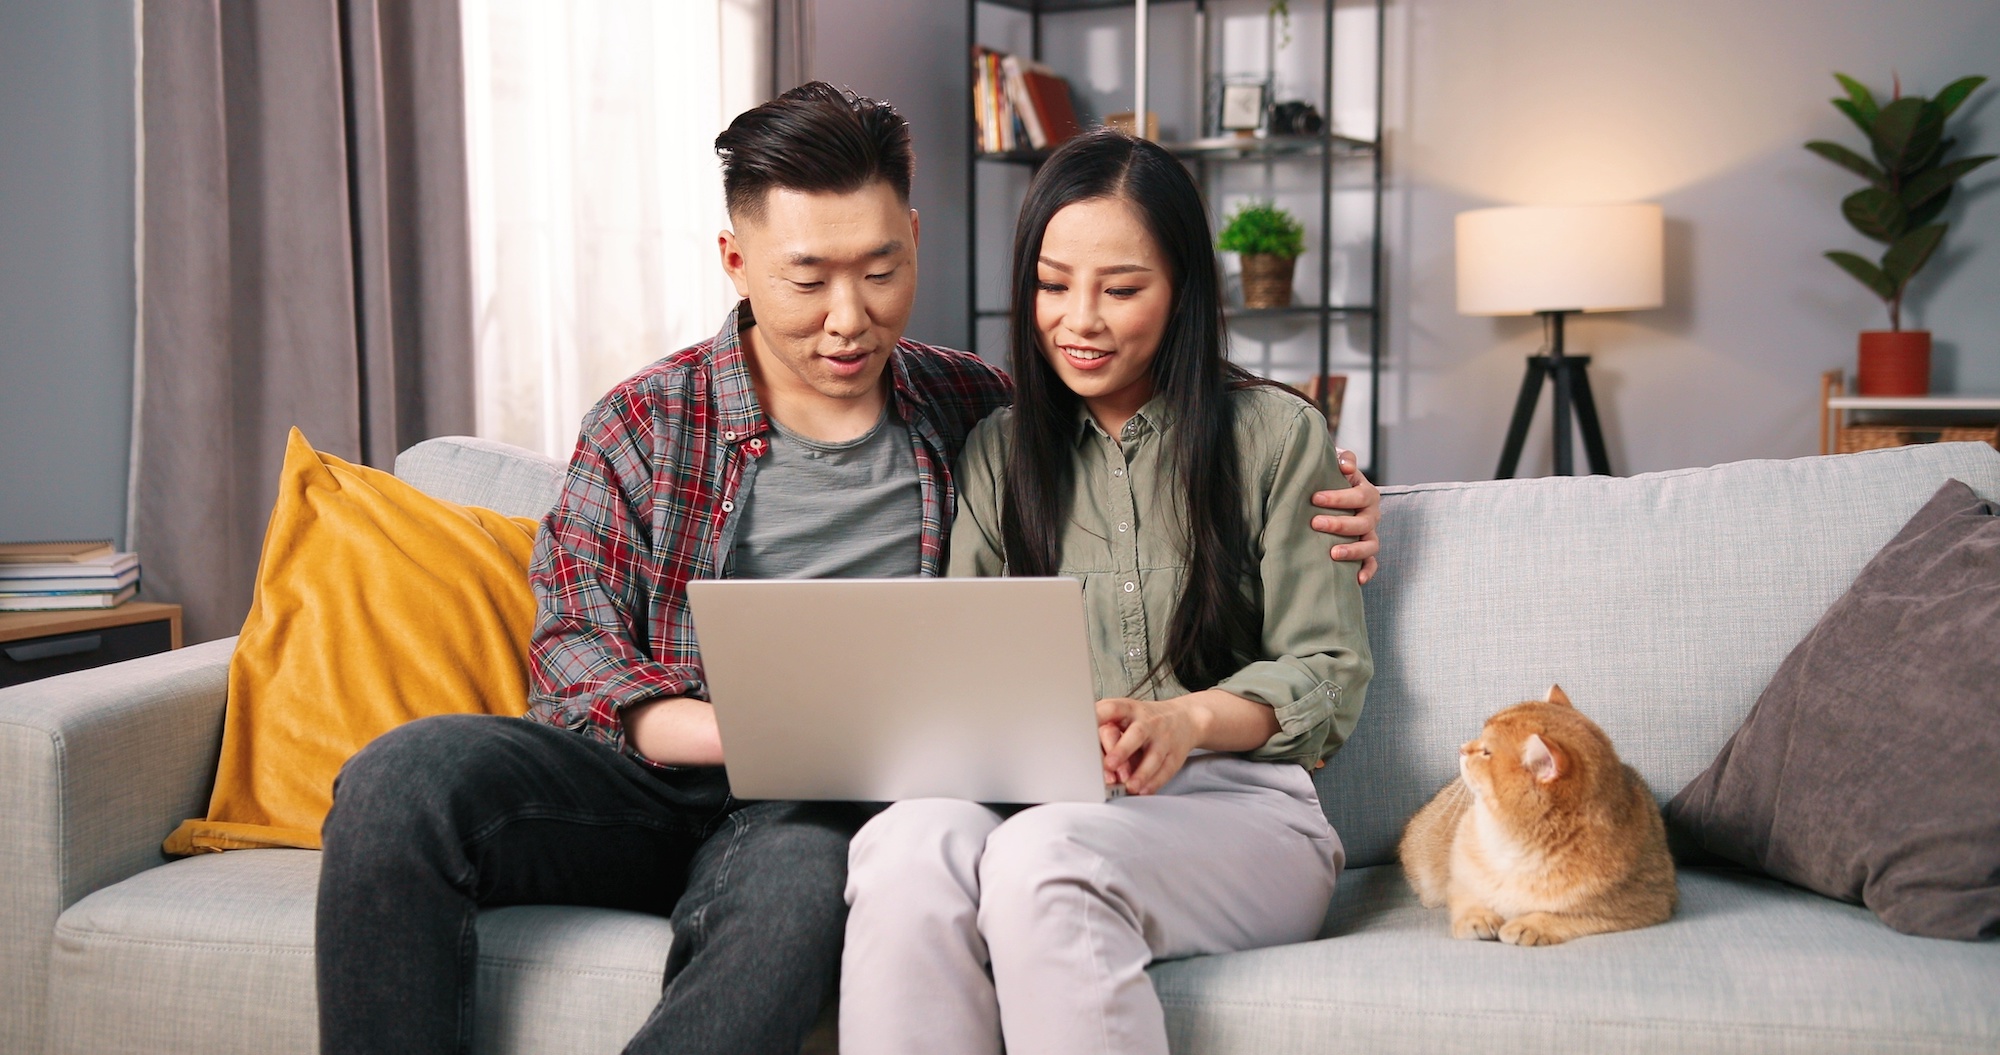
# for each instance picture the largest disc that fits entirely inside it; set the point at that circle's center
(1086, 358)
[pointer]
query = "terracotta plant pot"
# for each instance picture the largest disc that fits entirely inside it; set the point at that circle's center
(1267, 280)
(1894, 363)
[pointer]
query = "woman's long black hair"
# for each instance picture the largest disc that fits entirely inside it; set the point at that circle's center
(1217, 624)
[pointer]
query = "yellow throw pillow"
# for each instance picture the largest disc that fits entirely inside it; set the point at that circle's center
(375, 604)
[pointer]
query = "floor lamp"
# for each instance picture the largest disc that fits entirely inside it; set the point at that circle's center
(1554, 261)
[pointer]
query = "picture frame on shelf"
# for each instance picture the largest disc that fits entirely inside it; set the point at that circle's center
(1241, 108)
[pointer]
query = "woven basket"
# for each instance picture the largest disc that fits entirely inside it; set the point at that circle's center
(1267, 280)
(1875, 437)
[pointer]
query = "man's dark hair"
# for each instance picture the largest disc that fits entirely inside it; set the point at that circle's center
(815, 138)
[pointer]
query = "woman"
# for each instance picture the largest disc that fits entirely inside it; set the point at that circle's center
(1229, 653)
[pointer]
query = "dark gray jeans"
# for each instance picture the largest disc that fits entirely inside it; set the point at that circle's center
(448, 815)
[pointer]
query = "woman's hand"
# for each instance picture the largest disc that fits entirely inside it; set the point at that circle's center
(1147, 741)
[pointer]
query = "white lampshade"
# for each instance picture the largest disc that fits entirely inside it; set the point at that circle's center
(1519, 260)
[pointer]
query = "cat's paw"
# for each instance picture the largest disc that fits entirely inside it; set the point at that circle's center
(1476, 924)
(1535, 928)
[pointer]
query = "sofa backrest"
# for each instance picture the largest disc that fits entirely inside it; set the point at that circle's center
(475, 472)
(1662, 603)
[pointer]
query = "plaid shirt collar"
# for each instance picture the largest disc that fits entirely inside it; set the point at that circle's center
(742, 417)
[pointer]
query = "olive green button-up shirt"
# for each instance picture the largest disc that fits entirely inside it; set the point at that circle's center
(1125, 542)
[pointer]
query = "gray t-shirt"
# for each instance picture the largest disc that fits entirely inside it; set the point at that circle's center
(832, 510)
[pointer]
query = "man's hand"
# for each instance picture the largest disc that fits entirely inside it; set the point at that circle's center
(1362, 503)
(677, 731)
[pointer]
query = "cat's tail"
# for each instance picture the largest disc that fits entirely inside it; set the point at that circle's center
(1426, 846)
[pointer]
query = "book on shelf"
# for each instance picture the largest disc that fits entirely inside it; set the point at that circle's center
(51, 602)
(1019, 104)
(66, 575)
(55, 551)
(110, 566)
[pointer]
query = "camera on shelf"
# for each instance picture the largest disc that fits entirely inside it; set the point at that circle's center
(1296, 117)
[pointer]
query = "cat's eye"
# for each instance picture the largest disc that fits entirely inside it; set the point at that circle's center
(1486, 752)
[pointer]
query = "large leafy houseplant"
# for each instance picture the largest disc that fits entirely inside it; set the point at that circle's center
(1270, 241)
(1909, 182)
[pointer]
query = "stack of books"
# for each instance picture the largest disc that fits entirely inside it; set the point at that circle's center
(1018, 104)
(49, 576)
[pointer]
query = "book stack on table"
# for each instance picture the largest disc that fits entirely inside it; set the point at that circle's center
(51, 576)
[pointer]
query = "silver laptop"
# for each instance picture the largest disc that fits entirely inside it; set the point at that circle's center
(878, 690)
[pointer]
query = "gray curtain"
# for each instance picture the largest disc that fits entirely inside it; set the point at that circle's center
(303, 261)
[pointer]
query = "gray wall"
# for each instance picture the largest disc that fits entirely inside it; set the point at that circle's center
(1700, 105)
(66, 287)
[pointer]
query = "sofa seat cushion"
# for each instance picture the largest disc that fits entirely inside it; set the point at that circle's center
(1747, 965)
(215, 954)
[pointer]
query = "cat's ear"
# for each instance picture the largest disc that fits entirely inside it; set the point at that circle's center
(1558, 697)
(1540, 760)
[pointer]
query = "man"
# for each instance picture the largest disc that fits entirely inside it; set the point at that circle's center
(805, 439)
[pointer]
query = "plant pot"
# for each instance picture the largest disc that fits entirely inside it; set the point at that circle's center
(1894, 363)
(1267, 280)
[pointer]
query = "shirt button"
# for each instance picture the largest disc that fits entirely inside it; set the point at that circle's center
(728, 506)
(730, 436)
(1120, 471)
(1133, 652)
(1122, 525)
(1130, 586)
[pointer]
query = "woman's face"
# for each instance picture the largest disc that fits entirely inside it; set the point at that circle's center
(1103, 294)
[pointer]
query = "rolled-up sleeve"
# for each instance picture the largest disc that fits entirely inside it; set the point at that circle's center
(1313, 621)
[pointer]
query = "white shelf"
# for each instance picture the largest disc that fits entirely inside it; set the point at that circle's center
(1914, 403)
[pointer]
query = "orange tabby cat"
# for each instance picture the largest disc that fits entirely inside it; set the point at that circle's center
(1545, 836)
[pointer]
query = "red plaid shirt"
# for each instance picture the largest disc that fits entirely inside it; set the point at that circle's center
(650, 491)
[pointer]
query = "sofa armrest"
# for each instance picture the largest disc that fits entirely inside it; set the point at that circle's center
(96, 767)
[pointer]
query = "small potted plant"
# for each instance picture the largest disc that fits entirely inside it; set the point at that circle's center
(1270, 241)
(1909, 184)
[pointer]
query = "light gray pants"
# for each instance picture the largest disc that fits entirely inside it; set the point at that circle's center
(965, 926)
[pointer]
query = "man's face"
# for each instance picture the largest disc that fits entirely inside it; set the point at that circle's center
(831, 278)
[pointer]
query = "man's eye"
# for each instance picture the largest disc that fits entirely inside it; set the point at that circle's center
(884, 276)
(807, 287)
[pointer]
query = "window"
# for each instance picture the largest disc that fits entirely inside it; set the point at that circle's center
(595, 193)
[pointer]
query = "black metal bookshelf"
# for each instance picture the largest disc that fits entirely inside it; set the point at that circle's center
(1203, 155)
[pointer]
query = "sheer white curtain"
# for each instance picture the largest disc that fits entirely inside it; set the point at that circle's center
(595, 194)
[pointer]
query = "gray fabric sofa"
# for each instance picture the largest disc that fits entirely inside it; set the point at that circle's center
(1663, 603)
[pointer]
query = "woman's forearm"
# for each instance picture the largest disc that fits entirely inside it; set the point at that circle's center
(1228, 722)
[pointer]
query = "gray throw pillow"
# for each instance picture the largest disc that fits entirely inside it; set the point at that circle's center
(1869, 770)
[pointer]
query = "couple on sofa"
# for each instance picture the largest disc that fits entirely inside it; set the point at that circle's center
(807, 439)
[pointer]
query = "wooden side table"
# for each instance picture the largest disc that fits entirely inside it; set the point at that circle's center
(1838, 435)
(43, 644)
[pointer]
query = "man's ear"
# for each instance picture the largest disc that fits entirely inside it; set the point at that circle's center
(916, 235)
(1558, 697)
(732, 261)
(1540, 760)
